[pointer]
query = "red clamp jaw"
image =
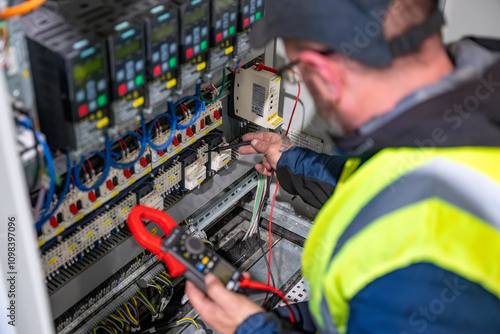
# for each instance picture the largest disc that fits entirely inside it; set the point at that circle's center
(152, 243)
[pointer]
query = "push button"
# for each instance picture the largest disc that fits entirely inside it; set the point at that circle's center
(175, 141)
(73, 209)
(217, 115)
(92, 197)
(83, 110)
(157, 70)
(53, 222)
(122, 89)
(127, 173)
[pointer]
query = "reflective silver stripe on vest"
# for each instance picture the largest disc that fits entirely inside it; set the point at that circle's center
(329, 324)
(452, 182)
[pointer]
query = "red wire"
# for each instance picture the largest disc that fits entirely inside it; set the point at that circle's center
(121, 146)
(184, 108)
(275, 192)
(91, 167)
(124, 143)
(247, 283)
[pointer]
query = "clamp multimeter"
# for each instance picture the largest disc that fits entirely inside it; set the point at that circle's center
(182, 253)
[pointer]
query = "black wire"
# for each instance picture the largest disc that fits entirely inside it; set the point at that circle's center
(258, 231)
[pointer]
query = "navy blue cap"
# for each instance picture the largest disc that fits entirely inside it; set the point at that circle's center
(352, 27)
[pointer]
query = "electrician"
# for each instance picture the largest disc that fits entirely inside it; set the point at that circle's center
(410, 241)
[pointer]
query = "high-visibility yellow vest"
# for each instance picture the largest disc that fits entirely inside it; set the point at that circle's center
(405, 206)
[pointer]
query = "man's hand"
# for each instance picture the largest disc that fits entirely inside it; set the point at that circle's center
(223, 310)
(269, 143)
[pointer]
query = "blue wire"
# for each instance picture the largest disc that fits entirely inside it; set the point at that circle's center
(199, 108)
(142, 139)
(173, 125)
(52, 172)
(44, 218)
(26, 122)
(107, 166)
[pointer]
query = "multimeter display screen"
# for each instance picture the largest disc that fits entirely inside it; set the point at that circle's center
(196, 15)
(127, 49)
(163, 32)
(80, 72)
(223, 272)
(222, 4)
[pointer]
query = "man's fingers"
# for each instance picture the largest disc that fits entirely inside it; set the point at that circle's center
(260, 146)
(247, 150)
(266, 164)
(263, 170)
(264, 136)
(258, 135)
(217, 291)
(199, 300)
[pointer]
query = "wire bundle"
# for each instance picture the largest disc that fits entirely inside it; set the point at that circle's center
(127, 317)
(214, 90)
(44, 207)
(260, 198)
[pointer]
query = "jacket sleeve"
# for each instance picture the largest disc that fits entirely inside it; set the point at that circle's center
(312, 176)
(265, 323)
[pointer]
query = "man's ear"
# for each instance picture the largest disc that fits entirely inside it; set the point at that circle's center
(328, 69)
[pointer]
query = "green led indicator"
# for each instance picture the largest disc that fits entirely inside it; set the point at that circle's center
(139, 80)
(172, 62)
(203, 45)
(102, 100)
(232, 30)
(258, 16)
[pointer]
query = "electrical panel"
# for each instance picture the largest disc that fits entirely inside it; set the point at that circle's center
(257, 96)
(70, 76)
(250, 11)
(131, 102)
(162, 29)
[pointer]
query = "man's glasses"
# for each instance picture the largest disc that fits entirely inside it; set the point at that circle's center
(288, 74)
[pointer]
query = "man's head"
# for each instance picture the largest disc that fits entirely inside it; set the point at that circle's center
(366, 76)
